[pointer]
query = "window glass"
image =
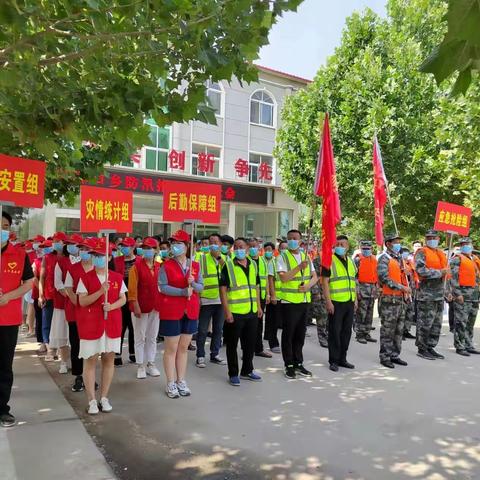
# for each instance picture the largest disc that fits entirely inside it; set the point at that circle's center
(260, 168)
(158, 147)
(214, 94)
(262, 109)
(211, 164)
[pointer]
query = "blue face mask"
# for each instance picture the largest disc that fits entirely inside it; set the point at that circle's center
(48, 250)
(99, 262)
(58, 246)
(149, 253)
(35, 246)
(241, 253)
(253, 251)
(433, 243)
(139, 251)
(224, 249)
(367, 253)
(293, 244)
(396, 247)
(405, 255)
(268, 255)
(340, 251)
(467, 249)
(214, 248)
(85, 256)
(164, 253)
(125, 250)
(178, 249)
(5, 235)
(72, 250)
(205, 249)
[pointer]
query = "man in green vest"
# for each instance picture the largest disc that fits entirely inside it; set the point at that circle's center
(339, 288)
(226, 247)
(211, 264)
(204, 248)
(239, 292)
(297, 275)
(254, 254)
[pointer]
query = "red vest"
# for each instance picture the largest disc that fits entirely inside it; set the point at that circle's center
(147, 288)
(76, 271)
(49, 262)
(38, 265)
(119, 263)
(174, 308)
(13, 260)
(59, 300)
(90, 320)
(32, 256)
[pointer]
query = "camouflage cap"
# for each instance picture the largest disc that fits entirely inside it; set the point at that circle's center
(464, 240)
(390, 237)
(432, 233)
(365, 244)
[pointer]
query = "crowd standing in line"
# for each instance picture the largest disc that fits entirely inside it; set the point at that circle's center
(79, 303)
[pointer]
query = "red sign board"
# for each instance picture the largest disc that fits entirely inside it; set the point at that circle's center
(453, 218)
(22, 181)
(105, 209)
(191, 201)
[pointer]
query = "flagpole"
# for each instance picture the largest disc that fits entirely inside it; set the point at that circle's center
(391, 208)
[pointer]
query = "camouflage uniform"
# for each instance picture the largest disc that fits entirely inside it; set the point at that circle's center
(318, 307)
(392, 311)
(466, 312)
(367, 292)
(430, 298)
(410, 306)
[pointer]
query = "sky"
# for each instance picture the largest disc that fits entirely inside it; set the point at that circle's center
(301, 42)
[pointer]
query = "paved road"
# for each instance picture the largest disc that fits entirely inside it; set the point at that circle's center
(415, 422)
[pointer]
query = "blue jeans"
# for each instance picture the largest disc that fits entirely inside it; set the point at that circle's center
(207, 312)
(47, 314)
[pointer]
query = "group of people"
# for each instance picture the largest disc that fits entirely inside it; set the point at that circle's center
(85, 293)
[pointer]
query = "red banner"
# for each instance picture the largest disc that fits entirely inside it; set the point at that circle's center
(22, 181)
(453, 218)
(191, 201)
(105, 209)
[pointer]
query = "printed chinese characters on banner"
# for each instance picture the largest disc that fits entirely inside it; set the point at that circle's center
(22, 181)
(453, 218)
(243, 167)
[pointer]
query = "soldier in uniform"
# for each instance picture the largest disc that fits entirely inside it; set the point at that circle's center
(410, 307)
(392, 278)
(464, 288)
(318, 307)
(432, 267)
(367, 280)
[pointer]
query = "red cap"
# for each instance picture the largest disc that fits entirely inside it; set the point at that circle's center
(38, 239)
(61, 236)
(112, 247)
(180, 236)
(89, 242)
(74, 239)
(100, 247)
(46, 243)
(128, 242)
(28, 245)
(150, 242)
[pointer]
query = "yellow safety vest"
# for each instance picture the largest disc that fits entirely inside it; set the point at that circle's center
(276, 278)
(198, 256)
(263, 275)
(289, 289)
(342, 281)
(242, 293)
(210, 273)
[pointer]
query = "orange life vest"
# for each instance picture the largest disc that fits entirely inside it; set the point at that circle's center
(467, 272)
(367, 270)
(396, 274)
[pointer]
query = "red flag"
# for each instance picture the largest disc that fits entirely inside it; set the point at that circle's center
(379, 191)
(326, 187)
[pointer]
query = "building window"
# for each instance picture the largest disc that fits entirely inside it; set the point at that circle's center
(260, 168)
(214, 95)
(156, 152)
(262, 108)
(205, 160)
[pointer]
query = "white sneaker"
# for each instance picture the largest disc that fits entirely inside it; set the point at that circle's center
(183, 389)
(200, 363)
(152, 370)
(63, 368)
(105, 405)
(172, 390)
(141, 373)
(92, 407)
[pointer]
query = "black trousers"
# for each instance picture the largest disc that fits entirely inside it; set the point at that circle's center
(272, 315)
(244, 327)
(8, 342)
(77, 363)
(259, 341)
(127, 323)
(294, 320)
(38, 321)
(340, 331)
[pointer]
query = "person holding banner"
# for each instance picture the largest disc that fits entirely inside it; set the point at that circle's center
(101, 294)
(143, 302)
(180, 282)
(465, 291)
(432, 268)
(16, 279)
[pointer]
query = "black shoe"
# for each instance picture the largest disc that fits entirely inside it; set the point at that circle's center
(118, 362)
(78, 385)
(473, 351)
(371, 340)
(436, 354)
(372, 328)
(362, 340)
(345, 364)
(399, 361)
(425, 354)
(323, 343)
(463, 353)
(334, 367)
(192, 347)
(409, 336)
(132, 359)
(301, 370)
(290, 373)
(7, 420)
(387, 363)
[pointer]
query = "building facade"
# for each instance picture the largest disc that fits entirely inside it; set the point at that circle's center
(237, 153)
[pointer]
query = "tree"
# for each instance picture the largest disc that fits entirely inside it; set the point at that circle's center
(94, 70)
(372, 85)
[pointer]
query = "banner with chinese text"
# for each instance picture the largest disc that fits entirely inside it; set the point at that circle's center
(22, 181)
(453, 218)
(105, 209)
(191, 201)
